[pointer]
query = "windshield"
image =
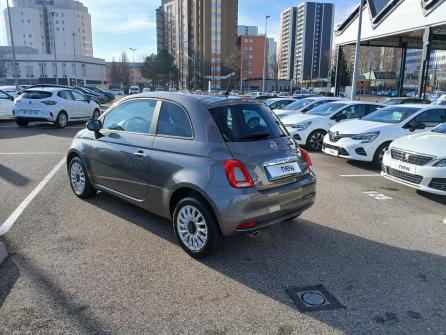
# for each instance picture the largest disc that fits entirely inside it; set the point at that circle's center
(440, 129)
(326, 109)
(391, 114)
(299, 104)
(246, 122)
(440, 103)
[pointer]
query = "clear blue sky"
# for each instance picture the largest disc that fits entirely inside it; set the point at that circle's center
(119, 25)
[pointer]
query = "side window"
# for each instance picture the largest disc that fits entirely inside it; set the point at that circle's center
(173, 121)
(354, 112)
(65, 95)
(372, 108)
(3, 95)
(132, 116)
(308, 108)
(431, 118)
(78, 96)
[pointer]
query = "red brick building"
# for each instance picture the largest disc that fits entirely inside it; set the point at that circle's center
(252, 51)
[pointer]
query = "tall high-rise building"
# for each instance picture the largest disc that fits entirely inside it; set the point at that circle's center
(247, 30)
(287, 41)
(39, 23)
(202, 36)
(306, 37)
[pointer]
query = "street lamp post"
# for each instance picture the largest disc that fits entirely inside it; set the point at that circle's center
(14, 66)
(133, 60)
(241, 72)
(357, 54)
(265, 53)
(75, 61)
(53, 14)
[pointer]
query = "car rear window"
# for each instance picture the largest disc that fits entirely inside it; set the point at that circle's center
(36, 95)
(246, 122)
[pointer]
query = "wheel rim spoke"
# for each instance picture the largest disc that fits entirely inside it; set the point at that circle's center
(191, 217)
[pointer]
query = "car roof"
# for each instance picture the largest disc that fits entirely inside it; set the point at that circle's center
(49, 89)
(179, 97)
(422, 106)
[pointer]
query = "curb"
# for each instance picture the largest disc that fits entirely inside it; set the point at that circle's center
(3, 253)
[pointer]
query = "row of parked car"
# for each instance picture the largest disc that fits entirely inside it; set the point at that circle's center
(53, 103)
(404, 136)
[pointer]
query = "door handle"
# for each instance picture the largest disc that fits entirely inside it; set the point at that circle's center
(140, 154)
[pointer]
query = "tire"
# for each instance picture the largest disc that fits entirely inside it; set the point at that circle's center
(379, 154)
(196, 243)
(61, 120)
(316, 139)
(79, 181)
(96, 114)
(22, 123)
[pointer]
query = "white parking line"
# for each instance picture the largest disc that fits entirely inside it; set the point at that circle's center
(7, 225)
(359, 175)
(30, 153)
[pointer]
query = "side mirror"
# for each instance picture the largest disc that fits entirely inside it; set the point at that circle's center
(11, 98)
(94, 125)
(419, 125)
(339, 117)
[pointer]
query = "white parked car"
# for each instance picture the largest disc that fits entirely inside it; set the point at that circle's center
(302, 106)
(146, 90)
(134, 90)
(53, 104)
(310, 128)
(368, 139)
(418, 161)
(6, 105)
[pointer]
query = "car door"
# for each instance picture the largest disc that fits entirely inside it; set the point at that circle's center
(6, 105)
(68, 103)
(83, 109)
(429, 119)
(120, 156)
(174, 149)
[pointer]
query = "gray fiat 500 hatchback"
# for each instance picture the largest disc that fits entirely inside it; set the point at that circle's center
(215, 166)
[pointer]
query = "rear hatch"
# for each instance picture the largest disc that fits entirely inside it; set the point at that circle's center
(32, 99)
(258, 140)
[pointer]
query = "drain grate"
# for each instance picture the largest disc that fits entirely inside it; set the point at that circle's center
(313, 298)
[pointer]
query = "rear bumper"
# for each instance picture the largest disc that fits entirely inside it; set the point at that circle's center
(236, 206)
(34, 119)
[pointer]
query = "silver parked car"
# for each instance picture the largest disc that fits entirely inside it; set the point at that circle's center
(213, 165)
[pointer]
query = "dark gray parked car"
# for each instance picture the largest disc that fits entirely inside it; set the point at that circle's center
(213, 165)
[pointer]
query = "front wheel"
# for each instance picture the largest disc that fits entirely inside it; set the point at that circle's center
(379, 154)
(316, 140)
(79, 181)
(61, 120)
(195, 227)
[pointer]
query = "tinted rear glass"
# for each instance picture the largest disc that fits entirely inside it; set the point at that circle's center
(36, 95)
(246, 122)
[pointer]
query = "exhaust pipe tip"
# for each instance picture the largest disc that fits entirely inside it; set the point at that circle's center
(254, 234)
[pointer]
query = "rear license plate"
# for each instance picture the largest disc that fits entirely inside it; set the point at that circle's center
(282, 170)
(403, 167)
(331, 151)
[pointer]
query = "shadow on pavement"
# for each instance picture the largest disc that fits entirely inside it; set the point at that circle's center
(10, 130)
(9, 273)
(384, 288)
(12, 176)
(368, 166)
(441, 199)
(61, 301)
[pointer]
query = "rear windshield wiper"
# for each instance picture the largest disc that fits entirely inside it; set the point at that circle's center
(255, 136)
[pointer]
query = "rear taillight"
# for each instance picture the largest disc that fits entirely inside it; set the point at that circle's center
(49, 102)
(307, 158)
(238, 175)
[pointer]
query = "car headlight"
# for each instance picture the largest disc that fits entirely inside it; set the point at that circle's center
(441, 163)
(299, 126)
(366, 137)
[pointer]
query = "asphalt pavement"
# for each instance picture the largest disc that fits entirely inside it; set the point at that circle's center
(103, 266)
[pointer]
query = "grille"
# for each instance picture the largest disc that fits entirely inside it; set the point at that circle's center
(341, 151)
(411, 158)
(438, 184)
(411, 178)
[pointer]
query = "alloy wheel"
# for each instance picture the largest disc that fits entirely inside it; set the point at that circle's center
(316, 141)
(77, 178)
(192, 228)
